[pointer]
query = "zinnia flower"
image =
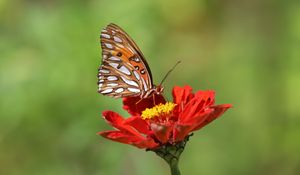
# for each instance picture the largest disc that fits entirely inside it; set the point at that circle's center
(155, 122)
(164, 127)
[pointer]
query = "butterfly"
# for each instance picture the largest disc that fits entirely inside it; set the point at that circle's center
(124, 71)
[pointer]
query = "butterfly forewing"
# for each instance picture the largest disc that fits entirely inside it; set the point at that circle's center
(124, 70)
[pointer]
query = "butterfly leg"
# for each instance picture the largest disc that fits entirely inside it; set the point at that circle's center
(153, 96)
(138, 101)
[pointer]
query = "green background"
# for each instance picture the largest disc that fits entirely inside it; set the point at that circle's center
(248, 51)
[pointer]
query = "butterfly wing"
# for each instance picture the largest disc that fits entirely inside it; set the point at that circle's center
(124, 70)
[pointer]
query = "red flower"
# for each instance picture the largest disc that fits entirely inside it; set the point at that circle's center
(151, 125)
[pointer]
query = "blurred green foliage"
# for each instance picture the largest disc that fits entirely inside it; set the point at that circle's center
(248, 51)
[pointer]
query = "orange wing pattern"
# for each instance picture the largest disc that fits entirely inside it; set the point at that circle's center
(124, 70)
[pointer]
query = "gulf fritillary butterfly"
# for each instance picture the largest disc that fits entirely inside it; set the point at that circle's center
(124, 71)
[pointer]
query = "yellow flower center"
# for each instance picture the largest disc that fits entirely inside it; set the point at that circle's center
(158, 110)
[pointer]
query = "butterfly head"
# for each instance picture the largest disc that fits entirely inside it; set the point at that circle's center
(155, 90)
(159, 89)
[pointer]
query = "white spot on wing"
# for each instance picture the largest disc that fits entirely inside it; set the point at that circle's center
(134, 90)
(105, 71)
(100, 85)
(124, 70)
(114, 65)
(114, 58)
(112, 84)
(112, 78)
(136, 59)
(108, 45)
(119, 90)
(106, 91)
(117, 39)
(130, 82)
(145, 85)
(105, 35)
(137, 76)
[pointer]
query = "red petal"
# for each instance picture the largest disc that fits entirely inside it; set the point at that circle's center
(147, 143)
(162, 131)
(138, 123)
(135, 105)
(207, 96)
(118, 136)
(193, 108)
(217, 112)
(197, 113)
(113, 118)
(182, 129)
(121, 137)
(180, 132)
(181, 95)
(197, 106)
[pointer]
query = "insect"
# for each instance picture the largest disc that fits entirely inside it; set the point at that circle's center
(124, 71)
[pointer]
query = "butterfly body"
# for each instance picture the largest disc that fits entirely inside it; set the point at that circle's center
(124, 71)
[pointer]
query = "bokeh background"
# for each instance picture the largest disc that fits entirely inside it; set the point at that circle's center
(248, 51)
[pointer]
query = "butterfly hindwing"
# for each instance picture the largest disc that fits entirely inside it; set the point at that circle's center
(124, 70)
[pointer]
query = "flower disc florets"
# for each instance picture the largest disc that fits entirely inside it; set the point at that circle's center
(161, 110)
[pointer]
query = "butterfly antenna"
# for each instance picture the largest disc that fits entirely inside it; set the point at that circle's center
(167, 74)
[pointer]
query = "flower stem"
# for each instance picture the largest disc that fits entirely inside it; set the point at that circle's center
(174, 167)
(171, 154)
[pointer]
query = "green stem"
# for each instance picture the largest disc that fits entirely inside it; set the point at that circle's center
(171, 154)
(174, 167)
